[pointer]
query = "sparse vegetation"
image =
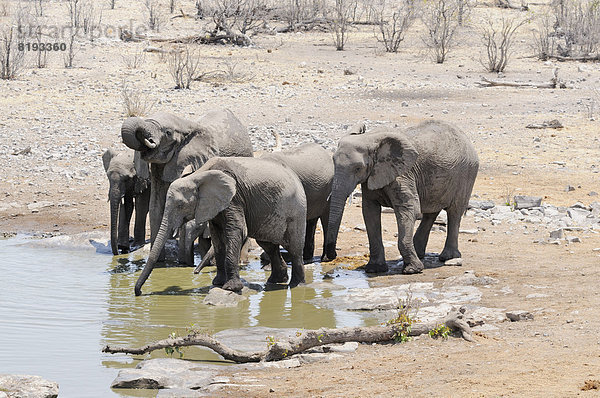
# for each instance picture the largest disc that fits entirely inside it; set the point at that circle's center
(154, 14)
(340, 21)
(442, 331)
(392, 29)
(183, 65)
(577, 27)
(135, 102)
(134, 60)
(12, 60)
(404, 320)
(497, 39)
(441, 19)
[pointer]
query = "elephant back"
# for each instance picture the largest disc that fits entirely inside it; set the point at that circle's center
(229, 134)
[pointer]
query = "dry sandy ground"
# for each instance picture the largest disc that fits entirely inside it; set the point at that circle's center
(295, 84)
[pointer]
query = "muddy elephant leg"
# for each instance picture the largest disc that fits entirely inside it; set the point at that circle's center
(405, 218)
(309, 241)
(235, 233)
(372, 216)
(142, 203)
(422, 235)
(204, 246)
(124, 220)
(278, 266)
(451, 245)
(188, 233)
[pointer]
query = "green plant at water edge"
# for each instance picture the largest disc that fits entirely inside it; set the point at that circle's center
(271, 340)
(171, 350)
(403, 321)
(442, 331)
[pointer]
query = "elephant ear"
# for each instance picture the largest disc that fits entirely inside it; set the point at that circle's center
(394, 155)
(215, 191)
(142, 173)
(107, 157)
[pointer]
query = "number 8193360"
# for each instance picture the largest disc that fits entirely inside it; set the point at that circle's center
(42, 47)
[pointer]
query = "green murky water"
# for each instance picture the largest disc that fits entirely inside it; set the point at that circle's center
(59, 305)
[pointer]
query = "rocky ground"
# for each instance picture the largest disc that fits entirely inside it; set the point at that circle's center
(56, 123)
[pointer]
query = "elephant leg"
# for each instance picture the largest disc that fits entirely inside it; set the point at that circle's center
(124, 220)
(451, 245)
(422, 235)
(142, 203)
(405, 218)
(185, 249)
(204, 246)
(325, 224)
(309, 241)
(372, 216)
(219, 250)
(235, 235)
(278, 266)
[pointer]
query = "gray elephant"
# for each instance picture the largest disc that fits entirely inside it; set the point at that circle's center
(129, 180)
(170, 143)
(420, 170)
(241, 197)
(314, 167)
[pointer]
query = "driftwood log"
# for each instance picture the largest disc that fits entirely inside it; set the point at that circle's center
(549, 124)
(581, 58)
(308, 339)
(555, 82)
(214, 37)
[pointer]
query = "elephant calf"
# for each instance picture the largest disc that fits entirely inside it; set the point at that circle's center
(241, 197)
(129, 181)
(420, 170)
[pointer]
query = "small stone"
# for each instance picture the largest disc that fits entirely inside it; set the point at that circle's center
(593, 193)
(27, 386)
(527, 202)
(536, 295)
(404, 104)
(360, 227)
(481, 204)
(519, 315)
(570, 321)
(454, 261)
(557, 234)
(573, 239)
(569, 188)
(474, 231)
(223, 298)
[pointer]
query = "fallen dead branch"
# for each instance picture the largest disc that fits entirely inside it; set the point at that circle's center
(555, 82)
(582, 58)
(308, 339)
(550, 124)
(215, 37)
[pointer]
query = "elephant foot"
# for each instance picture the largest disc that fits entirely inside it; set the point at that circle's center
(449, 253)
(280, 276)
(264, 258)
(219, 280)
(308, 260)
(416, 267)
(123, 249)
(295, 282)
(234, 285)
(329, 254)
(376, 268)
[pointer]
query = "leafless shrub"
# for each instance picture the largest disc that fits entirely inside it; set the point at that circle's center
(12, 60)
(42, 56)
(154, 14)
(592, 104)
(340, 21)
(440, 18)
(134, 60)
(577, 27)
(69, 54)
(497, 39)
(392, 31)
(299, 12)
(112, 4)
(4, 8)
(240, 15)
(91, 18)
(74, 8)
(199, 9)
(183, 65)
(39, 7)
(135, 103)
(543, 37)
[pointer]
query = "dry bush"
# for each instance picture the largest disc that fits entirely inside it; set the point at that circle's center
(134, 60)
(340, 21)
(577, 27)
(135, 103)
(183, 66)
(74, 9)
(112, 4)
(544, 41)
(155, 16)
(395, 22)
(171, 6)
(441, 19)
(12, 61)
(4, 8)
(237, 15)
(69, 55)
(497, 39)
(298, 13)
(41, 56)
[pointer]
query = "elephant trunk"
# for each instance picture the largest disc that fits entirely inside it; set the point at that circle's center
(338, 198)
(163, 234)
(115, 204)
(135, 133)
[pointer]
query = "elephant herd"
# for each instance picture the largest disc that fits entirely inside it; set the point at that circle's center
(201, 178)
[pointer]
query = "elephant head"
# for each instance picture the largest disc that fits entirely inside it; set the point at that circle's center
(200, 196)
(129, 175)
(375, 159)
(160, 139)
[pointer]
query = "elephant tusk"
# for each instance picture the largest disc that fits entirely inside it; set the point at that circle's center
(149, 144)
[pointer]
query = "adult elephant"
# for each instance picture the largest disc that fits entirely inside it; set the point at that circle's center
(129, 187)
(241, 198)
(420, 170)
(170, 143)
